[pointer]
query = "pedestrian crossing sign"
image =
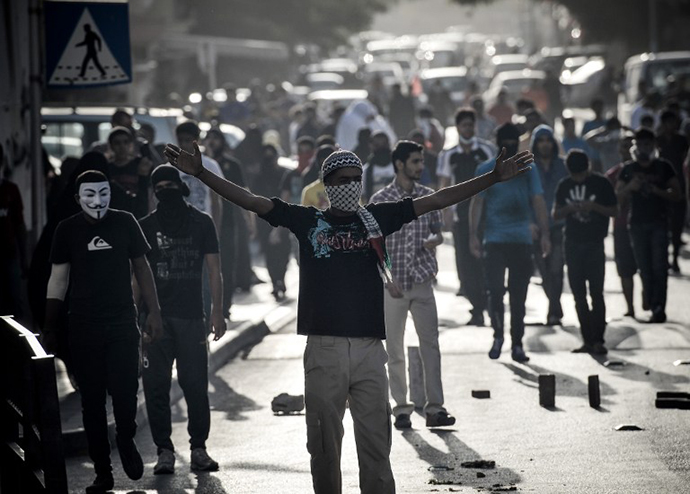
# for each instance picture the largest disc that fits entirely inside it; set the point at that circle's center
(87, 44)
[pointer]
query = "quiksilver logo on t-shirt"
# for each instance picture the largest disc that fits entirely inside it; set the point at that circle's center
(97, 243)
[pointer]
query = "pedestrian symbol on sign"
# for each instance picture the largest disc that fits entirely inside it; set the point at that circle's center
(91, 39)
(87, 44)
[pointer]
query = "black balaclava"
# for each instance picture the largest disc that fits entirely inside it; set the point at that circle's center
(508, 132)
(171, 204)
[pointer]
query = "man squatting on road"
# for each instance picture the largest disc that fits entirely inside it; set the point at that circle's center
(343, 269)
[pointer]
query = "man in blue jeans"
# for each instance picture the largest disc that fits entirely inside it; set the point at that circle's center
(508, 242)
(649, 185)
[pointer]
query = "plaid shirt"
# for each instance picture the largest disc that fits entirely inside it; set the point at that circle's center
(411, 261)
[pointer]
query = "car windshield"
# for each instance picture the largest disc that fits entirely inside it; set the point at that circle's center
(659, 72)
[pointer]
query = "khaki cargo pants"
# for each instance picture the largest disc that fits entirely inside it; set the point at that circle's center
(339, 370)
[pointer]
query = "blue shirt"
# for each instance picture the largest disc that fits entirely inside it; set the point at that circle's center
(574, 143)
(508, 206)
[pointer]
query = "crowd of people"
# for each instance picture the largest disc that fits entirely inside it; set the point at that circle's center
(362, 209)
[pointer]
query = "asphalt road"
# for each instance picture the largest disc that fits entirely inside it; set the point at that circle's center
(571, 448)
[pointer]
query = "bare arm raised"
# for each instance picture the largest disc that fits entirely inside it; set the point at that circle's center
(192, 165)
(505, 169)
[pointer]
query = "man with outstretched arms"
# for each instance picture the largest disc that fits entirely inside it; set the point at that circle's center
(343, 269)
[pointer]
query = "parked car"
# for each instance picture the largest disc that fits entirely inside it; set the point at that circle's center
(71, 131)
(341, 66)
(389, 72)
(324, 80)
(506, 63)
(653, 71)
(584, 84)
(453, 79)
(233, 134)
(514, 82)
(327, 99)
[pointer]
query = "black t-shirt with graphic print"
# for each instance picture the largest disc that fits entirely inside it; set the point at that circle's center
(99, 254)
(645, 206)
(341, 291)
(586, 226)
(177, 261)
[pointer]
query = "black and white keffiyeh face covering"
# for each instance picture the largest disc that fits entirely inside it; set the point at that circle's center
(346, 198)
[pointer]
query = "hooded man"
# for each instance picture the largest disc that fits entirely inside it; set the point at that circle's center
(92, 251)
(183, 239)
(343, 268)
(551, 171)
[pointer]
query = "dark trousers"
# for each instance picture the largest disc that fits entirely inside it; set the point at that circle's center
(586, 266)
(277, 254)
(470, 269)
(228, 262)
(678, 211)
(105, 360)
(243, 262)
(517, 259)
(650, 244)
(184, 340)
(551, 271)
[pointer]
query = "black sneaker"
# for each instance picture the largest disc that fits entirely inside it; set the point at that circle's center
(658, 316)
(201, 461)
(599, 349)
(583, 349)
(476, 320)
(402, 421)
(518, 354)
(103, 483)
(495, 351)
(439, 419)
(132, 463)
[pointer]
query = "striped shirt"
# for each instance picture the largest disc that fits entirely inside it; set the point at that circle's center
(411, 262)
(458, 165)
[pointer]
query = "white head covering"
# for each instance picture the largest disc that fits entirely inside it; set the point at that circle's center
(360, 114)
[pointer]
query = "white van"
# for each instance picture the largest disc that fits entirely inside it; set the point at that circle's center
(653, 69)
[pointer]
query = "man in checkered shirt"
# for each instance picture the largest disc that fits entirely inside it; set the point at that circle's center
(414, 267)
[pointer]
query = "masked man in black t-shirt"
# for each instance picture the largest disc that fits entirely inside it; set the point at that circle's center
(182, 239)
(586, 201)
(343, 268)
(92, 253)
(649, 185)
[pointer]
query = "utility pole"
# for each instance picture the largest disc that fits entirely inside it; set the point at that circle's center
(36, 80)
(653, 27)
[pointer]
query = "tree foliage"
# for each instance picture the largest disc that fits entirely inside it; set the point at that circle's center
(322, 22)
(626, 20)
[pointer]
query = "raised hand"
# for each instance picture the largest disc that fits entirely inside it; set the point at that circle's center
(507, 169)
(181, 159)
